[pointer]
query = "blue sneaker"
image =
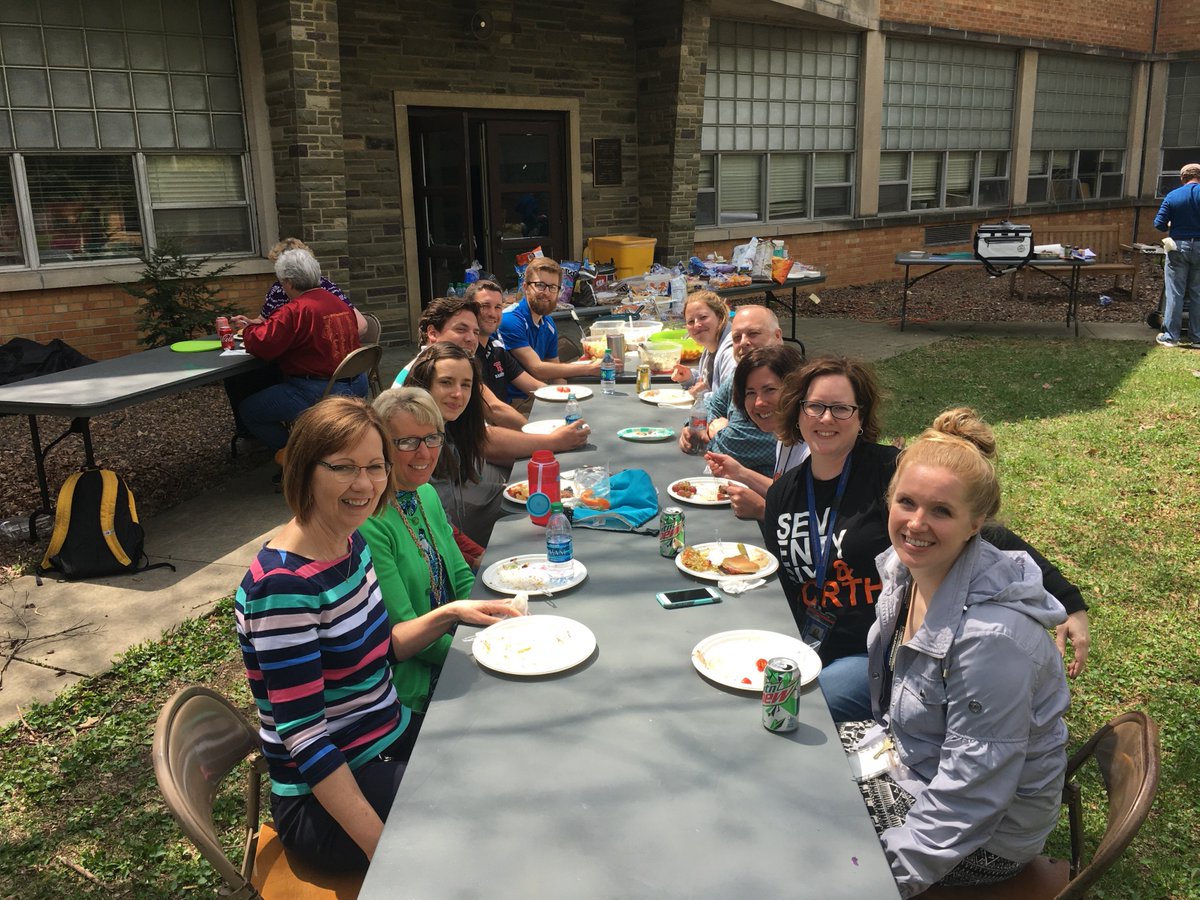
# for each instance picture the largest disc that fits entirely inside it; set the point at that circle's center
(1165, 340)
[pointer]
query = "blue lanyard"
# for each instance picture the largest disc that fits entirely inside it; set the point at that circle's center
(822, 550)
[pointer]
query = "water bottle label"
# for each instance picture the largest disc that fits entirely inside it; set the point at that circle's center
(573, 417)
(559, 551)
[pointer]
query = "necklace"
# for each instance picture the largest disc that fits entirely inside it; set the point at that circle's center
(407, 503)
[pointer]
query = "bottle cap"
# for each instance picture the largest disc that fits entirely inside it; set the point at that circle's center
(538, 504)
(556, 506)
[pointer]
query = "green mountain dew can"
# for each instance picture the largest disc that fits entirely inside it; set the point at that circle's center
(781, 703)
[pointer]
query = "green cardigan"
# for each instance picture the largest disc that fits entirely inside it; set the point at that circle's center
(404, 580)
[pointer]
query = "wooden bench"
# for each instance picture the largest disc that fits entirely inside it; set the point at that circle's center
(1103, 240)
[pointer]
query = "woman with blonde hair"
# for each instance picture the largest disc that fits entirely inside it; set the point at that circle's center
(422, 574)
(707, 320)
(966, 685)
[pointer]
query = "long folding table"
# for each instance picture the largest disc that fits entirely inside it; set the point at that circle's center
(629, 775)
(107, 386)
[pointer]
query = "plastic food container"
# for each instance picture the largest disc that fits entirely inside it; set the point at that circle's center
(603, 327)
(636, 332)
(663, 356)
(690, 349)
(594, 346)
(629, 253)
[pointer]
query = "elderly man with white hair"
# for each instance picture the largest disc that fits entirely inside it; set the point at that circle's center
(307, 338)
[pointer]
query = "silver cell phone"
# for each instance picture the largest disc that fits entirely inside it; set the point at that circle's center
(687, 597)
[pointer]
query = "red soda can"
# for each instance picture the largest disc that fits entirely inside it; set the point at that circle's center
(225, 333)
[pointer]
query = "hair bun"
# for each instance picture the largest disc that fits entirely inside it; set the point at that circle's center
(964, 423)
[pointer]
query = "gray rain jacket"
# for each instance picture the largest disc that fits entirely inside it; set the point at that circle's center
(976, 712)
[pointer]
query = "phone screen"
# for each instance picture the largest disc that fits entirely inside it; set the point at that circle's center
(684, 596)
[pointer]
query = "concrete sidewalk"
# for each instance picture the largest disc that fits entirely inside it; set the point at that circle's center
(212, 538)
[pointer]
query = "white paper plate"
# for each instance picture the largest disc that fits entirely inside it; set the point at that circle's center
(706, 490)
(667, 397)
(717, 552)
(559, 393)
(518, 491)
(646, 434)
(533, 645)
(731, 658)
(530, 573)
(543, 426)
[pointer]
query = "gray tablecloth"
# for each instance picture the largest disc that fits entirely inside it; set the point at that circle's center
(630, 775)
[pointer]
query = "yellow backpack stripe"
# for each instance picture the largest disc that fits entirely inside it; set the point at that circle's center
(62, 518)
(108, 515)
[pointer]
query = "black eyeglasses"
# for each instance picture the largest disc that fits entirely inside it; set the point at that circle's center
(837, 410)
(408, 444)
(347, 473)
(543, 286)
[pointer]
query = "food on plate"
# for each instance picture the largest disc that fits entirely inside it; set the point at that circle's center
(519, 491)
(523, 576)
(745, 562)
(708, 492)
(761, 665)
(738, 565)
(696, 560)
(562, 389)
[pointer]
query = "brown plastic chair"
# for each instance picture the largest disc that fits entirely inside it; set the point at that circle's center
(374, 328)
(198, 740)
(1127, 753)
(365, 359)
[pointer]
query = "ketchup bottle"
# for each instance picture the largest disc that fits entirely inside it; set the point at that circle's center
(543, 486)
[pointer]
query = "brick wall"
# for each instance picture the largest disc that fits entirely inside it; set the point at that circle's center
(1179, 27)
(869, 254)
(1124, 24)
(100, 321)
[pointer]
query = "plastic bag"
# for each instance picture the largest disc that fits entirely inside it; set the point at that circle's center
(781, 267)
(743, 255)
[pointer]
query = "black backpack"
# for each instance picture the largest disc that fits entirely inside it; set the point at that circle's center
(96, 529)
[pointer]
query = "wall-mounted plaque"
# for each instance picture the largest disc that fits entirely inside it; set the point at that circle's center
(606, 162)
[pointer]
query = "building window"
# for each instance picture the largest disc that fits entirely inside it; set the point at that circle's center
(788, 186)
(942, 180)
(778, 135)
(121, 130)
(1181, 123)
(947, 126)
(1080, 103)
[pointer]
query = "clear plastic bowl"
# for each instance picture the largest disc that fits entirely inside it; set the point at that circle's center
(663, 356)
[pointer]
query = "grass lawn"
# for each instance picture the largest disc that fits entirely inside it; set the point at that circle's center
(1100, 461)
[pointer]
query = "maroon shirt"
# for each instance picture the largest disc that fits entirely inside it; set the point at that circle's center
(311, 335)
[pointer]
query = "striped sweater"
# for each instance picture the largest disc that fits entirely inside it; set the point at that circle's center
(315, 640)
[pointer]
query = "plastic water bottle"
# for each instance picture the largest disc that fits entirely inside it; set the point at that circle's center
(698, 424)
(608, 373)
(558, 543)
(573, 413)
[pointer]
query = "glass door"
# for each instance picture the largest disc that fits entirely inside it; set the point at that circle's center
(442, 198)
(526, 203)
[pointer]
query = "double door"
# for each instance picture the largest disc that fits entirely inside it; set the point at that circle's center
(488, 186)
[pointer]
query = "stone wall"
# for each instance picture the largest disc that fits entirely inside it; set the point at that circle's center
(303, 82)
(570, 48)
(672, 47)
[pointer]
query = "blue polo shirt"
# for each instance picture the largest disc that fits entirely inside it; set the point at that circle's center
(517, 330)
(1180, 211)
